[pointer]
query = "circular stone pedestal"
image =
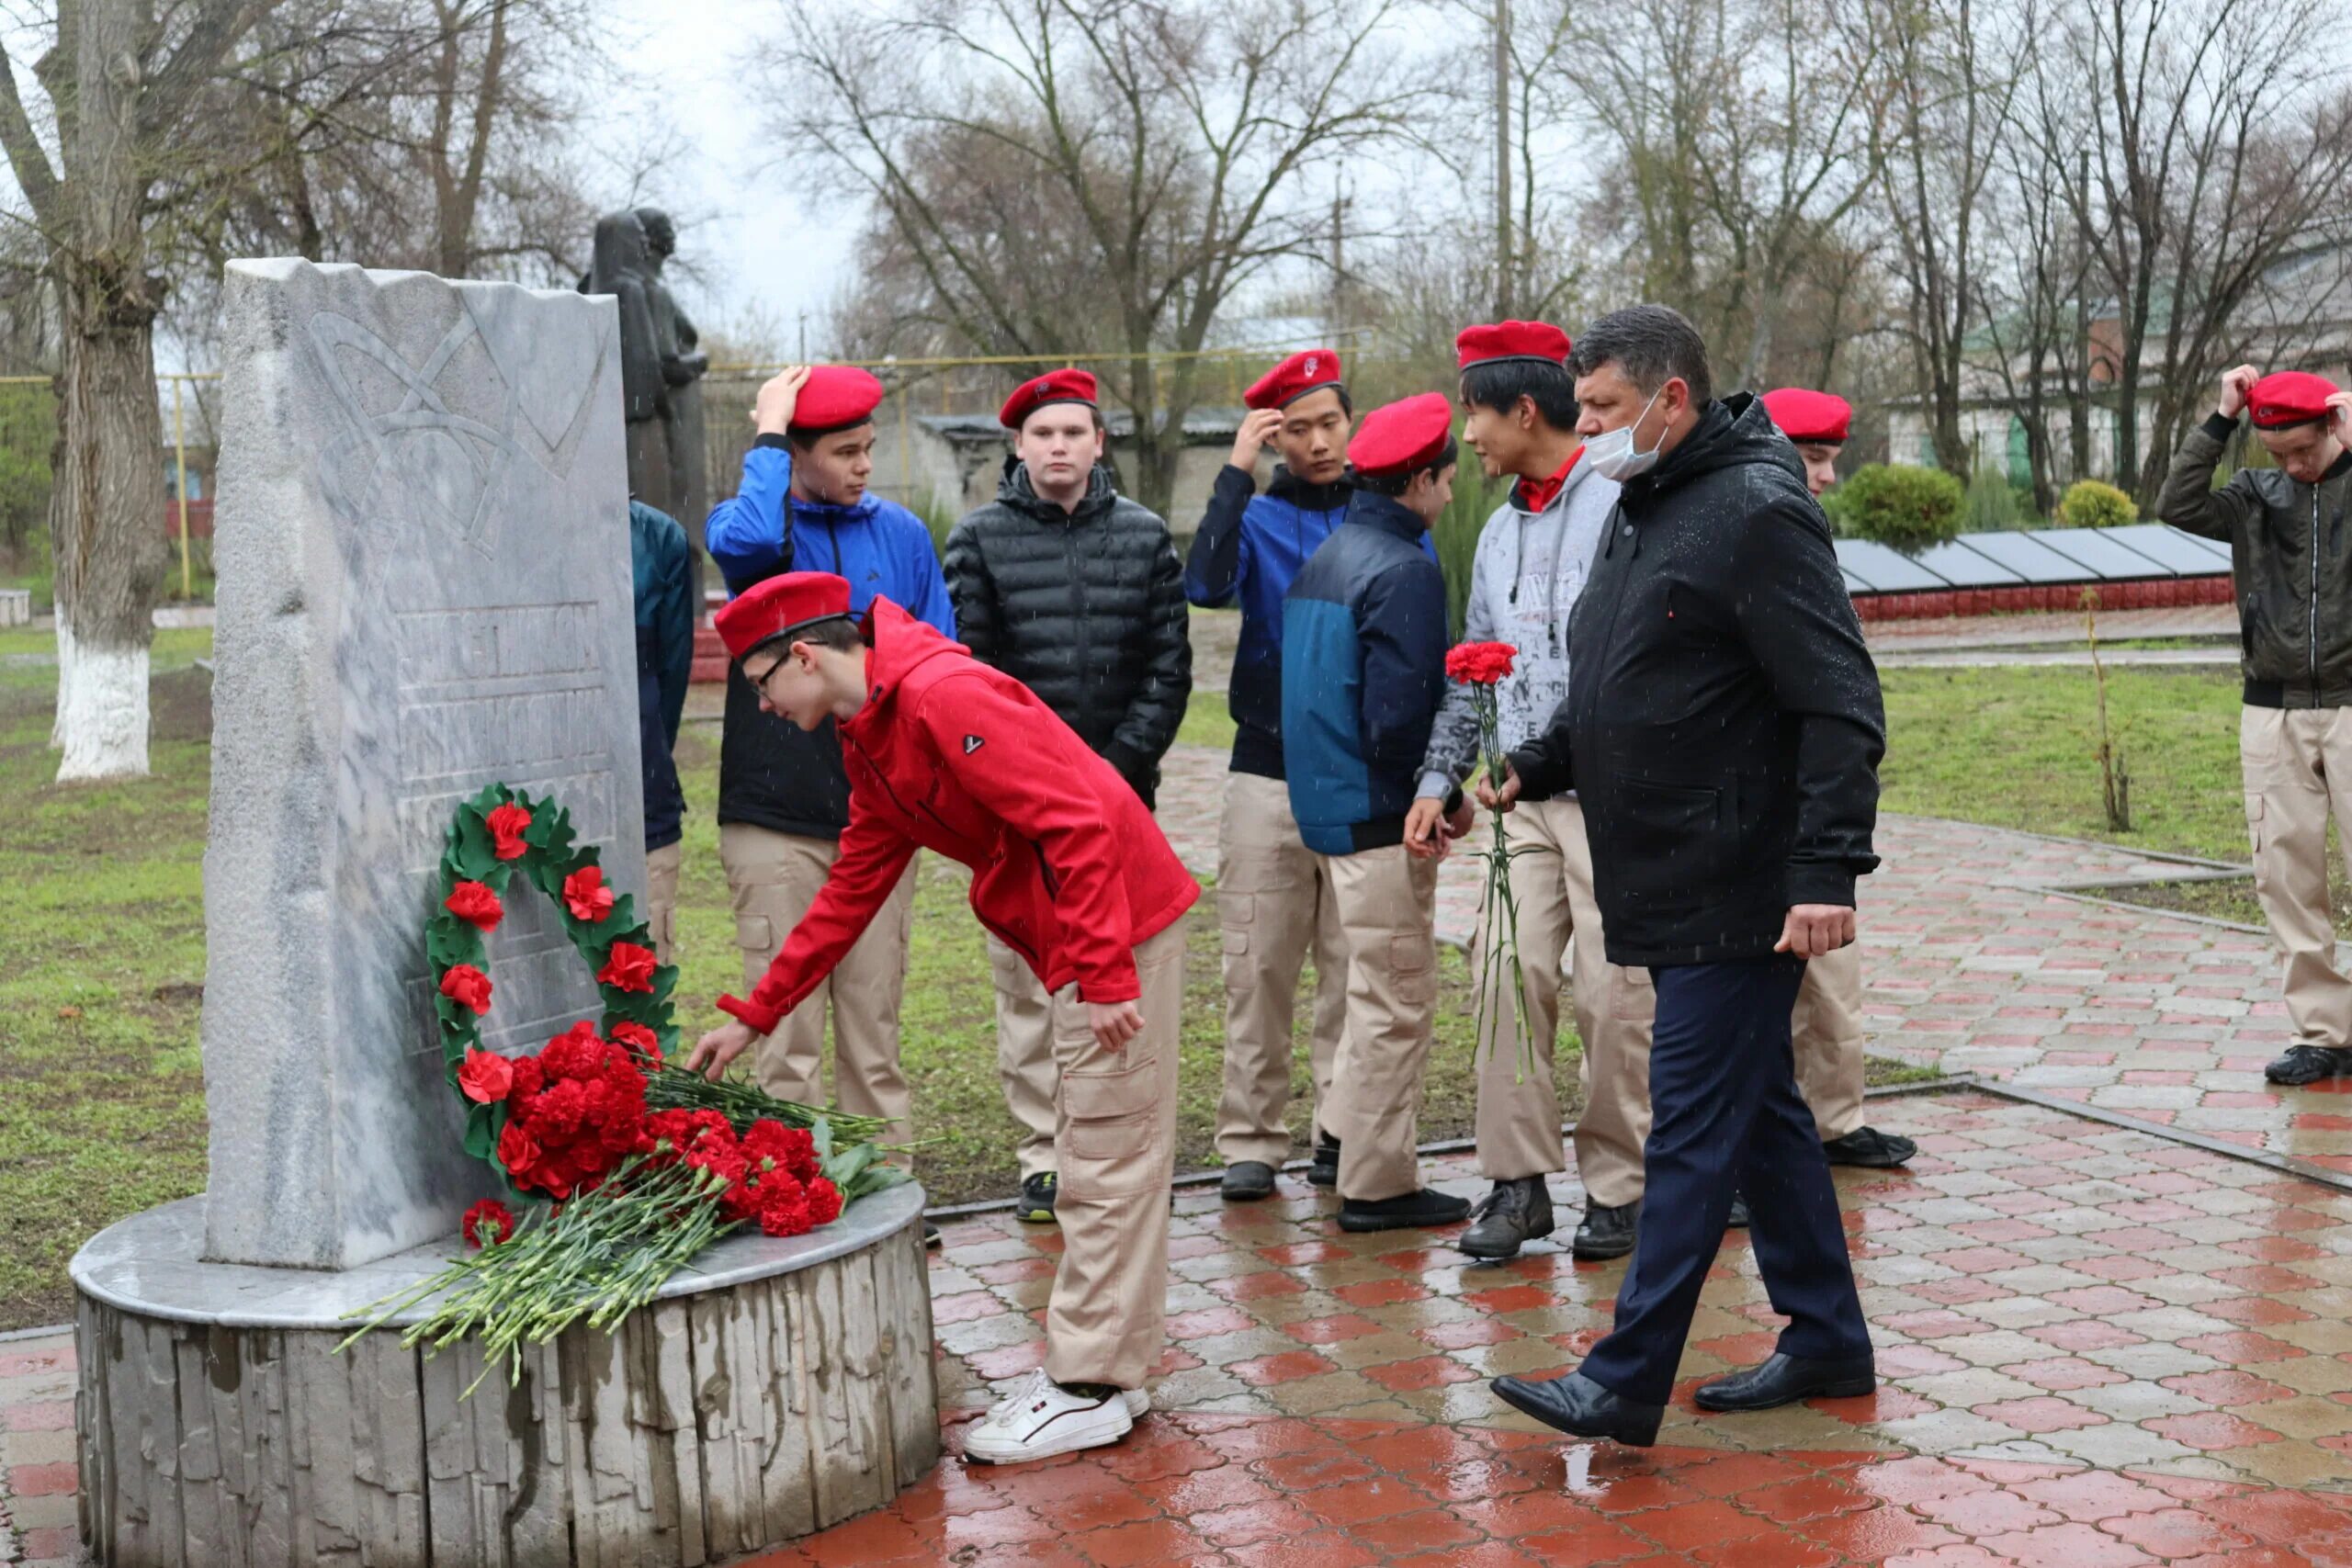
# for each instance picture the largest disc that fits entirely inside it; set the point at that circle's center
(780, 1387)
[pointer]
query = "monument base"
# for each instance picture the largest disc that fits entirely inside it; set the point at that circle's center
(778, 1388)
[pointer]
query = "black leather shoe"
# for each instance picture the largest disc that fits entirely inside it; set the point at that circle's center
(1246, 1182)
(1418, 1210)
(2309, 1064)
(1513, 1213)
(1605, 1232)
(1785, 1380)
(1577, 1405)
(1738, 1219)
(1325, 1171)
(1870, 1148)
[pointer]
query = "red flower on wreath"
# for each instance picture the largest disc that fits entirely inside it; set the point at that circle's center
(486, 1076)
(520, 1152)
(467, 987)
(476, 904)
(628, 967)
(1480, 663)
(585, 895)
(488, 1222)
(506, 824)
(641, 1041)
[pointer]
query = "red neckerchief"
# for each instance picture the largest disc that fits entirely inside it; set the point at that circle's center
(1532, 497)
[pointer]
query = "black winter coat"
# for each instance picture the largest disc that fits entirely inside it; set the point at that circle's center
(1722, 725)
(1084, 608)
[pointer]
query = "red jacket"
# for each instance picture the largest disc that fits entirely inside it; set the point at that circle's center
(947, 754)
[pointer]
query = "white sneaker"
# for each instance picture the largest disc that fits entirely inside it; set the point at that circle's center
(1041, 1418)
(1139, 1403)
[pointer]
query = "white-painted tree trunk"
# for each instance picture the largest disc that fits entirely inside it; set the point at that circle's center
(102, 714)
(64, 664)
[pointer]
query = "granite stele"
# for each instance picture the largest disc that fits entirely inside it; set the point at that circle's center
(422, 548)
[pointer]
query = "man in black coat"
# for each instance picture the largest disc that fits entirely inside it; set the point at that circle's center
(1722, 728)
(1074, 590)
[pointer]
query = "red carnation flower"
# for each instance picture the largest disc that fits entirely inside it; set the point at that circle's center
(519, 1153)
(486, 1076)
(506, 825)
(784, 1206)
(628, 967)
(574, 1054)
(824, 1202)
(585, 895)
(638, 1039)
(467, 987)
(1480, 663)
(474, 903)
(487, 1223)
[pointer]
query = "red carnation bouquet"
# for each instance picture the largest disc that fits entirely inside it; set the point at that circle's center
(635, 1166)
(1482, 667)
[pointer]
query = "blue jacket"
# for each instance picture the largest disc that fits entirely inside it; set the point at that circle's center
(1249, 547)
(662, 564)
(1363, 669)
(770, 773)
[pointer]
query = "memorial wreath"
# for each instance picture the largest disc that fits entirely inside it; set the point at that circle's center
(641, 1164)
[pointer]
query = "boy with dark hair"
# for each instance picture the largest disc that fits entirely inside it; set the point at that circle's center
(1273, 901)
(1073, 590)
(1363, 667)
(1068, 867)
(783, 796)
(1533, 558)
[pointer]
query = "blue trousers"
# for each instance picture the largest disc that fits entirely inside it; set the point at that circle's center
(1725, 1114)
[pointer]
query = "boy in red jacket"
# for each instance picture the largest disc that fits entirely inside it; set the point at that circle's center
(1069, 871)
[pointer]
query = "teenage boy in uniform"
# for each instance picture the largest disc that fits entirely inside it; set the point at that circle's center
(1533, 558)
(1074, 590)
(1363, 668)
(1827, 1028)
(1271, 897)
(1071, 872)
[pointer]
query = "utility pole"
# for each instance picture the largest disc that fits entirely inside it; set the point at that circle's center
(2078, 416)
(1504, 267)
(804, 338)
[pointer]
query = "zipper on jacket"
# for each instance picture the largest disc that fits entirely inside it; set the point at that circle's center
(1077, 592)
(2314, 615)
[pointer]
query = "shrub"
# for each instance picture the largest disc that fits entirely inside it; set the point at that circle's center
(2087, 503)
(1990, 504)
(1903, 507)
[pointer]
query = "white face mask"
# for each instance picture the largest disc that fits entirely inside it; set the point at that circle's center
(1611, 454)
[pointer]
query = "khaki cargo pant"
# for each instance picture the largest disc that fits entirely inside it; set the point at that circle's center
(1025, 1055)
(2294, 759)
(1387, 902)
(661, 868)
(1826, 1034)
(1274, 902)
(774, 878)
(1114, 1144)
(1519, 1106)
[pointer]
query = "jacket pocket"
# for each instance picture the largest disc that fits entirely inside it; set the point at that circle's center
(1670, 839)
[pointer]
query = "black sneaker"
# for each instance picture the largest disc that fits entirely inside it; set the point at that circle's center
(929, 1233)
(1325, 1171)
(1605, 1232)
(1414, 1210)
(2309, 1064)
(1870, 1148)
(1738, 1219)
(1036, 1205)
(1246, 1182)
(1514, 1213)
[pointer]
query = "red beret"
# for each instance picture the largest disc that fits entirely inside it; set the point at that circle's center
(1804, 415)
(835, 398)
(2289, 397)
(1404, 438)
(1294, 378)
(1053, 387)
(779, 606)
(1512, 340)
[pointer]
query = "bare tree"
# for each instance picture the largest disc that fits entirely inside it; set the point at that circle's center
(1046, 172)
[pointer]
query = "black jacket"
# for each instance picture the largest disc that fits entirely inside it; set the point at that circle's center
(2292, 560)
(1722, 725)
(1085, 608)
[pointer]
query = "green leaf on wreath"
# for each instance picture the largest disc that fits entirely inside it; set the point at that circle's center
(550, 832)
(449, 941)
(474, 856)
(482, 1130)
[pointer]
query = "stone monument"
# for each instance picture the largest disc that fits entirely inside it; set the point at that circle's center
(424, 587)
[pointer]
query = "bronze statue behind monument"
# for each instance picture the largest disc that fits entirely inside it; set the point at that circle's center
(661, 366)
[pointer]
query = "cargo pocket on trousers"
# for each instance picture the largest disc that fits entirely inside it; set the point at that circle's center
(1632, 1000)
(1113, 1116)
(2254, 826)
(1235, 911)
(753, 934)
(1413, 970)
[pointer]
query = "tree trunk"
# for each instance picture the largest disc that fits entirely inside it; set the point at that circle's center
(109, 507)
